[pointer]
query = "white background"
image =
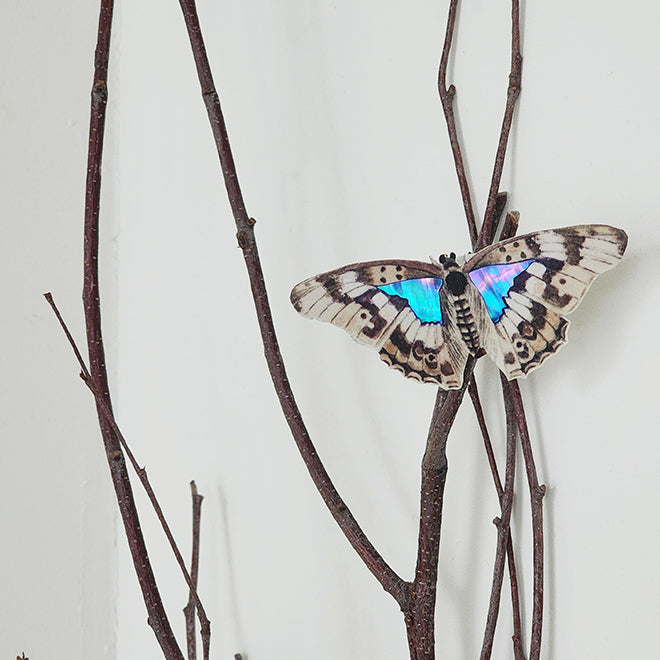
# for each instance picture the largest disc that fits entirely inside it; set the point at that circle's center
(343, 156)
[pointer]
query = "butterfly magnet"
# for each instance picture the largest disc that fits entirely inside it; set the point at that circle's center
(508, 300)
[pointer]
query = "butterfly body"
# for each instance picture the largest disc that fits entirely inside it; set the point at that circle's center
(508, 300)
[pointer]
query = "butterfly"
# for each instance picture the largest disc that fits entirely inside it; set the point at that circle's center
(508, 300)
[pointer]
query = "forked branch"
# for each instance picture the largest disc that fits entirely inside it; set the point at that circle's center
(486, 236)
(109, 419)
(416, 599)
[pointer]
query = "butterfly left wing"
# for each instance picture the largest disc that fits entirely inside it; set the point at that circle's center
(530, 282)
(392, 306)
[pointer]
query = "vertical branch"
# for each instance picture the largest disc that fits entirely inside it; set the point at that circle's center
(495, 206)
(390, 581)
(513, 573)
(421, 611)
(156, 613)
(504, 544)
(536, 492)
(515, 79)
(509, 229)
(189, 609)
(447, 95)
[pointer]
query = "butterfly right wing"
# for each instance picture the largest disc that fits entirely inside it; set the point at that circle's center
(550, 272)
(388, 305)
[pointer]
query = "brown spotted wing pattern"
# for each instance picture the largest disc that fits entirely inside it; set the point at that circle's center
(555, 269)
(566, 262)
(350, 299)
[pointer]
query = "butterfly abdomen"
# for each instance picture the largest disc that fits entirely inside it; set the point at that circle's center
(462, 314)
(466, 324)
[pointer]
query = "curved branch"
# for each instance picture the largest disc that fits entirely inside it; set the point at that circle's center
(504, 545)
(447, 95)
(515, 80)
(536, 493)
(99, 379)
(390, 581)
(513, 573)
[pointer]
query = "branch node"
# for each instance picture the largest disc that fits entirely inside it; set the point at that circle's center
(242, 239)
(451, 91)
(252, 222)
(100, 89)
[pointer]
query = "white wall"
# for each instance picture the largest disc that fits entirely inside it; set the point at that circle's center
(341, 149)
(342, 153)
(57, 516)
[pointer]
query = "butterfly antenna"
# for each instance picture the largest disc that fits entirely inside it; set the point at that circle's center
(462, 259)
(435, 262)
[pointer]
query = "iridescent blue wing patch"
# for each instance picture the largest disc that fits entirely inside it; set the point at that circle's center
(494, 283)
(550, 274)
(393, 307)
(423, 296)
(510, 299)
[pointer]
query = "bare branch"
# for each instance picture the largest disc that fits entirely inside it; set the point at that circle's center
(504, 544)
(107, 417)
(515, 80)
(536, 493)
(189, 609)
(155, 610)
(390, 581)
(420, 614)
(513, 573)
(447, 95)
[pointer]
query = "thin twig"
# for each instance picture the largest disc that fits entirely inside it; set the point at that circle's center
(447, 95)
(536, 493)
(107, 417)
(503, 526)
(189, 609)
(390, 581)
(156, 615)
(513, 573)
(509, 229)
(515, 80)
